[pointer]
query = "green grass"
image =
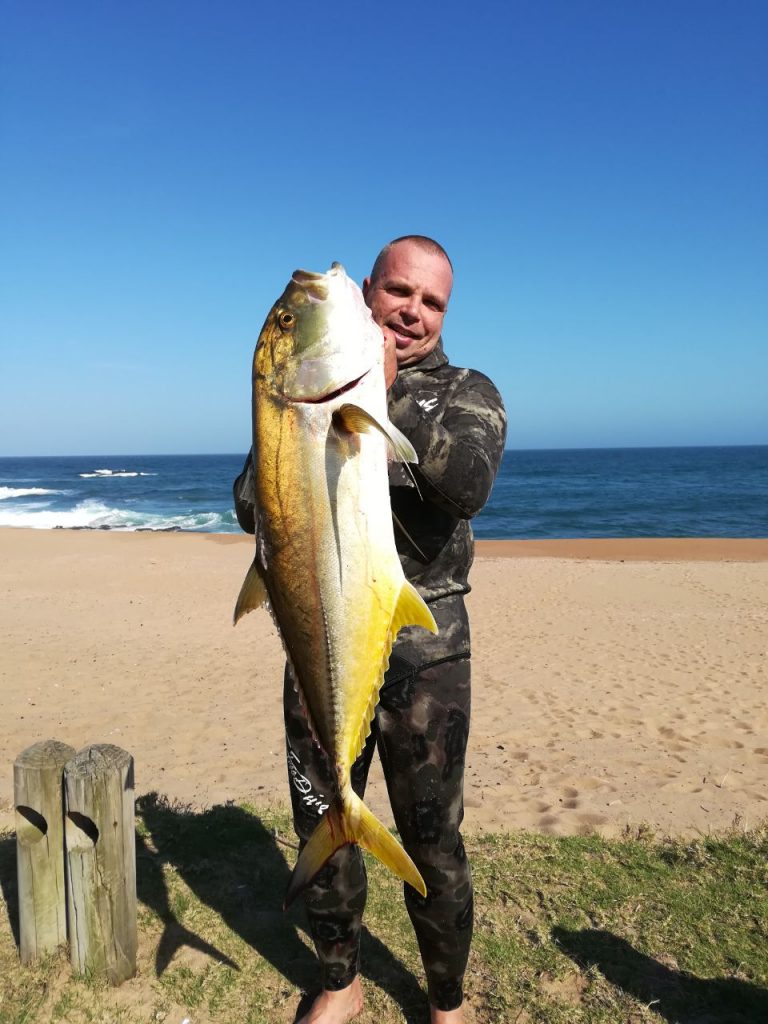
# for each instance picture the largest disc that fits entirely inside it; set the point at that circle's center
(567, 930)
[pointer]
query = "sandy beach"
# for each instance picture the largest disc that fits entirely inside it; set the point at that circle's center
(616, 682)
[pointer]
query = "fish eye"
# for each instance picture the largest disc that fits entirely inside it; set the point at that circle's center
(286, 320)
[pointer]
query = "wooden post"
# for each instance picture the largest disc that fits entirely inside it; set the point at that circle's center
(101, 862)
(37, 795)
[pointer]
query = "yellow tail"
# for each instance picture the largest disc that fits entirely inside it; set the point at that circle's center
(348, 820)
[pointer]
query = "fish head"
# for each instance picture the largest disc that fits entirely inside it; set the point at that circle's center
(319, 338)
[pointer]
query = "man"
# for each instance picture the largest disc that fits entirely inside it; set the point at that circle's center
(455, 420)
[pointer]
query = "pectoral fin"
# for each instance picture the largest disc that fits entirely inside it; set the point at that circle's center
(253, 593)
(358, 420)
(408, 536)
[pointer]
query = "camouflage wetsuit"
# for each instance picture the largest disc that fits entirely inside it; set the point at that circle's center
(455, 420)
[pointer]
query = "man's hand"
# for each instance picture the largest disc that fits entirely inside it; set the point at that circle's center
(390, 357)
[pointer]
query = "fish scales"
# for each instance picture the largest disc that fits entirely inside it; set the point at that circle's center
(326, 559)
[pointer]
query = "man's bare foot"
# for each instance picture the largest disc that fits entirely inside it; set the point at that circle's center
(446, 1016)
(337, 1007)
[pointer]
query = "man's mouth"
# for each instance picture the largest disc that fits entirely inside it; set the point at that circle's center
(403, 337)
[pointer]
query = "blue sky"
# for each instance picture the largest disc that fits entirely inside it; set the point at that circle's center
(596, 170)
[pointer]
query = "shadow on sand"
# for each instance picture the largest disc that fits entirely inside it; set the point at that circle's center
(675, 995)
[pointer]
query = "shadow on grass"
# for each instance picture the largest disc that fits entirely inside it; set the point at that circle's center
(675, 995)
(8, 882)
(232, 863)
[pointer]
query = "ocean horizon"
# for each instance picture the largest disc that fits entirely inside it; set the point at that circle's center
(693, 491)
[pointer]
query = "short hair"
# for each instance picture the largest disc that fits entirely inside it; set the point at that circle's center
(423, 242)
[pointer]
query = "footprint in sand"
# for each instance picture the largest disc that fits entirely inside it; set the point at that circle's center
(669, 733)
(681, 787)
(589, 822)
(716, 741)
(591, 783)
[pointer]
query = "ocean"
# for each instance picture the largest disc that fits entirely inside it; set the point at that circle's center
(598, 492)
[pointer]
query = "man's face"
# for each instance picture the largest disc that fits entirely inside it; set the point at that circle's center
(410, 296)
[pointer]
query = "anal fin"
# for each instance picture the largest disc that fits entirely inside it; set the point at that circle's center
(411, 610)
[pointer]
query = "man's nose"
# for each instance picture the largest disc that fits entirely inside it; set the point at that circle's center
(410, 307)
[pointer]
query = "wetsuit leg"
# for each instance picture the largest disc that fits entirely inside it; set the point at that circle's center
(335, 899)
(423, 725)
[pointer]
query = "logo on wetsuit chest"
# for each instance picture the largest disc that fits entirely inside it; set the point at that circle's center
(427, 404)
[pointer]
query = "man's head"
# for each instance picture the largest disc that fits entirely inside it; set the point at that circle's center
(408, 292)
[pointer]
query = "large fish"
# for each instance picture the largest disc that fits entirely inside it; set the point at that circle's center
(326, 561)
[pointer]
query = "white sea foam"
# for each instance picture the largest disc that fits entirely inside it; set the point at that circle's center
(107, 473)
(97, 473)
(95, 515)
(22, 492)
(87, 513)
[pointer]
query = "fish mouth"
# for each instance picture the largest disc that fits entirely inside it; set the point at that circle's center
(329, 397)
(313, 284)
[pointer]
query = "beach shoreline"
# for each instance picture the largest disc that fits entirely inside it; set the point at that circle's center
(605, 549)
(616, 682)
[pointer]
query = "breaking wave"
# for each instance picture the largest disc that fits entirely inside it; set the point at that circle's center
(112, 473)
(23, 492)
(95, 515)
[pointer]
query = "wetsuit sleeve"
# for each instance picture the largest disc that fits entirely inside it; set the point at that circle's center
(460, 455)
(245, 499)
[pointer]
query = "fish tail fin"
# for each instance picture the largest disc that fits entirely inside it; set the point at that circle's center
(348, 820)
(378, 840)
(329, 836)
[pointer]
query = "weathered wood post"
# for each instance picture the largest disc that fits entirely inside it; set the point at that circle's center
(38, 798)
(101, 862)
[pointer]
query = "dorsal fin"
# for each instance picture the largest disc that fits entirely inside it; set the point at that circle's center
(304, 703)
(253, 593)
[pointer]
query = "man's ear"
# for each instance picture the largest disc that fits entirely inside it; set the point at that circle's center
(366, 286)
